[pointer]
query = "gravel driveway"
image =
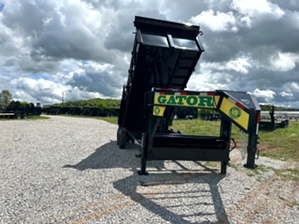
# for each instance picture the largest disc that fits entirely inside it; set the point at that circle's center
(70, 170)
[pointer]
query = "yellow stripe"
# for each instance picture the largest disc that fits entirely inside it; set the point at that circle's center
(235, 113)
(216, 100)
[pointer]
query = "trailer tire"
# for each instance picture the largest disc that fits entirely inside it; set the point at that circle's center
(122, 138)
(25, 116)
(284, 124)
(117, 136)
(18, 116)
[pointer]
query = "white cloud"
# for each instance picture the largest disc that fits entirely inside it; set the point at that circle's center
(286, 94)
(32, 90)
(204, 82)
(295, 19)
(240, 65)
(48, 92)
(283, 61)
(246, 21)
(267, 94)
(254, 8)
(216, 21)
(294, 86)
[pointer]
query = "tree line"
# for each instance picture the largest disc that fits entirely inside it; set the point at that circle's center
(7, 102)
(96, 102)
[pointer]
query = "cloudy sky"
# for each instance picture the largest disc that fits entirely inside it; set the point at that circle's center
(81, 48)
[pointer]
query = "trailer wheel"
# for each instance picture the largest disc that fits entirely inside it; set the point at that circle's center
(117, 136)
(122, 138)
(18, 116)
(25, 116)
(284, 124)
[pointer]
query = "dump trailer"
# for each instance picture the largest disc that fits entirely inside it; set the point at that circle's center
(163, 58)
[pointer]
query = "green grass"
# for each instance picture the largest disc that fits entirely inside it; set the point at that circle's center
(258, 171)
(282, 143)
(38, 118)
(289, 174)
(112, 120)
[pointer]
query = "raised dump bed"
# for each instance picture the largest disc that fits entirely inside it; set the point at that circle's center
(164, 55)
(163, 58)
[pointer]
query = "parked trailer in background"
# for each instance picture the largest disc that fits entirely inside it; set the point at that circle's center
(270, 120)
(163, 58)
(94, 111)
(13, 114)
(279, 115)
(21, 112)
(54, 110)
(187, 113)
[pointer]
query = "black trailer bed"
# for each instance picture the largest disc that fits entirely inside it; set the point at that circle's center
(188, 141)
(164, 56)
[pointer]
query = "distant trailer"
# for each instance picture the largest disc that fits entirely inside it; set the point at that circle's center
(270, 120)
(14, 114)
(21, 112)
(291, 115)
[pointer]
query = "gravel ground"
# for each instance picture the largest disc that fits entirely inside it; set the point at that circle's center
(70, 170)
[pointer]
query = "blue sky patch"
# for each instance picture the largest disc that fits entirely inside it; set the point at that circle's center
(1, 7)
(37, 76)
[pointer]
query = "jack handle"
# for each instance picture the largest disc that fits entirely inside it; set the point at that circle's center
(233, 140)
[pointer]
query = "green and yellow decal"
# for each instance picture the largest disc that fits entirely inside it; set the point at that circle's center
(235, 112)
(158, 111)
(184, 100)
(161, 100)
